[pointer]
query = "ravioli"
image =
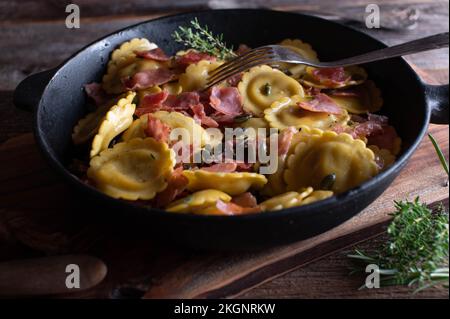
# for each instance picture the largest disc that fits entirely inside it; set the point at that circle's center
(196, 75)
(316, 196)
(197, 201)
(303, 49)
(364, 98)
(173, 88)
(117, 119)
(177, 120)
(87, 127)
(255, 123)
(124, 62)
(327, 153)
(286, 200)
(230, 183)
(136, 169)
(285, 113)
(262, 85)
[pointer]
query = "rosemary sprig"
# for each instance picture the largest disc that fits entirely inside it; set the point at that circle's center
(416, 253)
(440, 154)
(202, 39)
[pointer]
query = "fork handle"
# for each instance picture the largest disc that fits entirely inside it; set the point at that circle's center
(429, 43)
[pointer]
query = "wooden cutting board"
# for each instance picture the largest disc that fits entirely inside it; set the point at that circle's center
(40, 215)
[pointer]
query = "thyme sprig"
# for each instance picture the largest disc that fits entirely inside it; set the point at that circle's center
(202, 39)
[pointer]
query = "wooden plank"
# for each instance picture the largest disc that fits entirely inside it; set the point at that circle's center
(49, 9)
(133, 260)
(29, 47)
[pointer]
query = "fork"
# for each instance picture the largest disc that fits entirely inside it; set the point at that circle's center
(271, 54)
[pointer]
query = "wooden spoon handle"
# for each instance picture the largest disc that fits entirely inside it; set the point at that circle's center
(50, 275)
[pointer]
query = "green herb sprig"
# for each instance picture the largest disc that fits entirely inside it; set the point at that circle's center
(202, 39)
(440, 154)
(416, 253)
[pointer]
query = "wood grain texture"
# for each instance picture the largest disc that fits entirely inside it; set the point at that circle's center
(48, 51)
(31, 227)
(135, 261)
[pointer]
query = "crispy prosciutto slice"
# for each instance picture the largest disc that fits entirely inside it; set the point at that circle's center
(386, 138)
(96, 93)
(330, 76)
(157, 129)
(235, 79)
(321, 103)
(192, 57)
(183, 101)
(201, 117)
(221, 168)
(226, 100)
(245, 200)
(148, 78)
(156, 54)
(285, 139)
(151, 103)
(231, 208)
(176, 185)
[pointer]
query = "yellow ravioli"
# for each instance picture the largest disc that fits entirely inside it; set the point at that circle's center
(285, 113)
(261, 86)
(369, 99)
(196, 75)
(117, 119)
(286, 200)
(230, 183)
(197, 201)
(316, 196)
(304, 49)
(123, 62)
(136, 169)
(329, 153)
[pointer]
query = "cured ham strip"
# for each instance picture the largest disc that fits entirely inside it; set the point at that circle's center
(151, 103)
(156, 54)
(235, 79)
(201, 117)
(386, 138)
(245, 200)
(285, 139)
(176, 185)
(148, 78)
(221, 168)
(157, 129)
(330, 76)
(192, 57)
(231, 208)
(321, 103)
(226, 100)
(96, 93)
(183, 101)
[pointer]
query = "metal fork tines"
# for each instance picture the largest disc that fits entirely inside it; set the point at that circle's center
(258, 56)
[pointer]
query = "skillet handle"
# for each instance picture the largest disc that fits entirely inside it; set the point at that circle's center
(28, 93)
(437, 99)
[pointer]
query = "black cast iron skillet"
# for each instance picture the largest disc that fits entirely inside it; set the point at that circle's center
(58, 101)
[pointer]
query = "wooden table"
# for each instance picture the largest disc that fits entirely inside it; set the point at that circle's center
(31, 42)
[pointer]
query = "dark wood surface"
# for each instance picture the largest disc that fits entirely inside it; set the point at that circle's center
(30, 43)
